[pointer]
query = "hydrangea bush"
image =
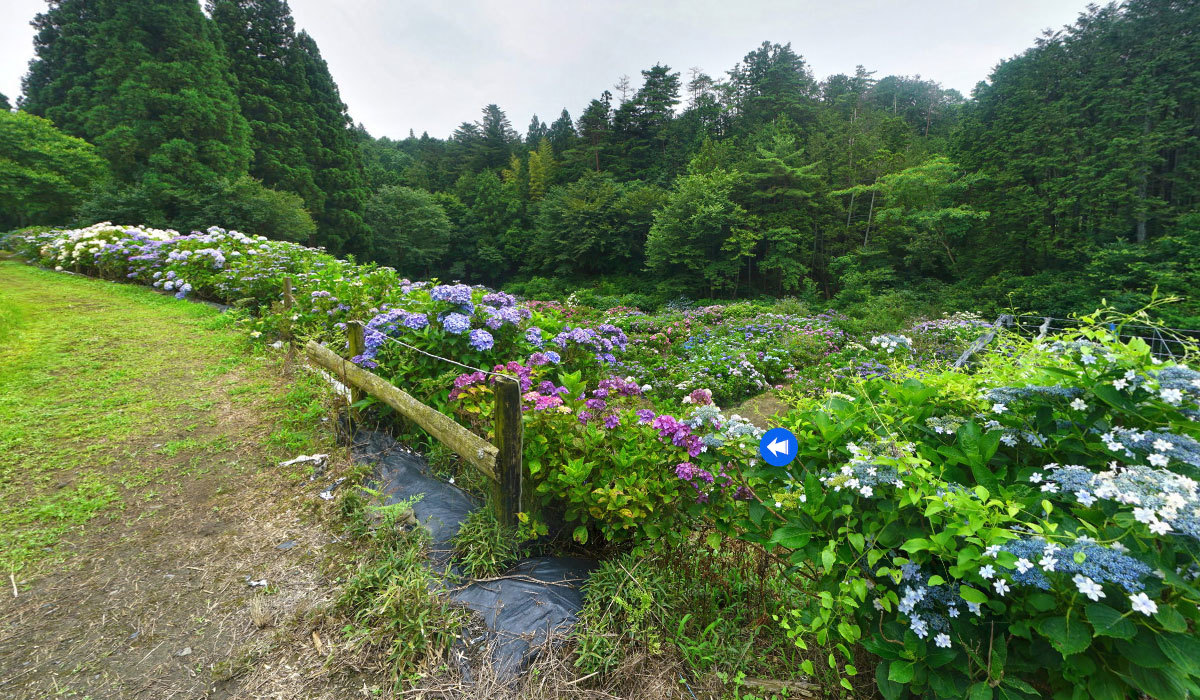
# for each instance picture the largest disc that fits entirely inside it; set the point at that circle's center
(1034, 535)
(1026, 530)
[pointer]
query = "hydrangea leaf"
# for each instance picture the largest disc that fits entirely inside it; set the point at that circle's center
(1109, 622)
(1068, 636)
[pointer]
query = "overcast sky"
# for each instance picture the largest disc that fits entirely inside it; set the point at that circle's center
(428, 66)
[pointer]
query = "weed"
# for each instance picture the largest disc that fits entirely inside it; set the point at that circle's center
(484, 546)
(391, 599)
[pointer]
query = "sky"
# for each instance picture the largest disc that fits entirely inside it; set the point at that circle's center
(429, 66)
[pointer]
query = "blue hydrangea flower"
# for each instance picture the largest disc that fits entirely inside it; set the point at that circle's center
(481, 340)
(456, 322)
(459, 294)
(534, 336)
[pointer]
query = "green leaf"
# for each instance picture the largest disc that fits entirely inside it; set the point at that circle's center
(1170, 619)
(1143, 651)
(849, 632)
(917, 544)
(980, 691)
(790, 536)
(1103, 685)
(1109, 623)
(971, 595)
(713, 540)
(581, 534)
(756, 511)
(1183, 650)
(1158, 683)
(888, 688)
(856, 540)
(900, 672)
(1067, 636)
(935, 580)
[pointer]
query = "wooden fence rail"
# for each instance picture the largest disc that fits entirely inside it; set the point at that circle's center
(501, 462)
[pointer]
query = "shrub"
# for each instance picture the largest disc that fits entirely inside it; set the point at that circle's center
(1020, 538)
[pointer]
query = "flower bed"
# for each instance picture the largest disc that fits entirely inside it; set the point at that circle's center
(1027, 530)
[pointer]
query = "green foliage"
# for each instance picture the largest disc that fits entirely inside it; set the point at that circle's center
(911, 502)
(44, 174)
(409, 229)
(484, 547)
(259, 39)
(688, 243)
(593, 225)
(391, 599)
(148, 85)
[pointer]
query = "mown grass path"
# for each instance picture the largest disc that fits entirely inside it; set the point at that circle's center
(139, 438)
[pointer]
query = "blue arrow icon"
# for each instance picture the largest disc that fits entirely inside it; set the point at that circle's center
(778, 447)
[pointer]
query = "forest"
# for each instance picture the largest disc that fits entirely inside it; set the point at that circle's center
(1070, 174)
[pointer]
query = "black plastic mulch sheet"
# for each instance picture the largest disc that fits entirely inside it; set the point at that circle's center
(522, 609)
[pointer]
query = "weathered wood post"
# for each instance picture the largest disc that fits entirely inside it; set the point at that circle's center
(289, 303)
(357, 340)
(509, 448)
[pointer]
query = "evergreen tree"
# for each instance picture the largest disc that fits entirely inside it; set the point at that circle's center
(785, 199)
(334, 157)
(538, 130)
(562, 133)
(148, 85)
(770, 82)
(496, 138)
(259, 38)
(4, 105)
(594, 127)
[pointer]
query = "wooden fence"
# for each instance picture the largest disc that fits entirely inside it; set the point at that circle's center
(500, 462)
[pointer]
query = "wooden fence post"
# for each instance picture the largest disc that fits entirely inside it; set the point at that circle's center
(355, 335)
(289, 302)
(509, 445)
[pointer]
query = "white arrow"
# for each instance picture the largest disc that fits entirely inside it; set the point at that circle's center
(777, 446)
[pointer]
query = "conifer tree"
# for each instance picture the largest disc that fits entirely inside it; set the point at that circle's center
(146, 83)
(259, 37)
(334, 157)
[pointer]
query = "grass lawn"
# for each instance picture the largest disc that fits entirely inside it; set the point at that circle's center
(107, 398)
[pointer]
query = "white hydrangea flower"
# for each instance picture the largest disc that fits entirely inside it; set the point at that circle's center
(1142, 603)
(1088, 587)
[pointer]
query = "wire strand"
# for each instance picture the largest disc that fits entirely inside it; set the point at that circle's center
(453, 362)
